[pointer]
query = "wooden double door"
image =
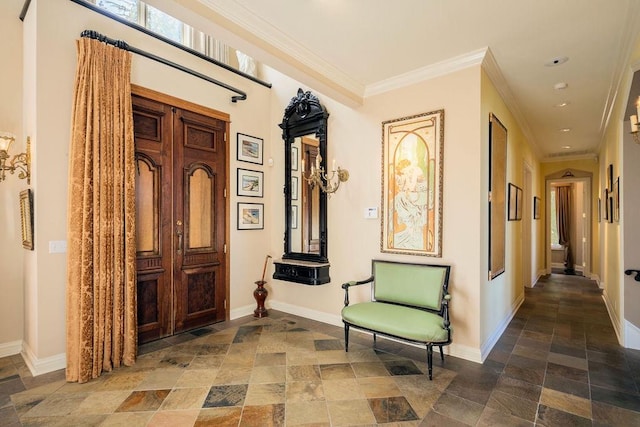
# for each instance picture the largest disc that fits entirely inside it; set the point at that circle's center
(180, 217)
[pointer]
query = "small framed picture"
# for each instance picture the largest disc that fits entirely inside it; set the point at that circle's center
(250, 183)
(249, 148)
(294, 188)
(512, 202)
(605, 200)
(536, 207)
(610, 178)
(250, 216)
(294, 158)
(294, 216)
(616, 200)
(519, 200)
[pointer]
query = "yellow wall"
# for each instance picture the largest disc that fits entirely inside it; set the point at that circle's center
(502, 296)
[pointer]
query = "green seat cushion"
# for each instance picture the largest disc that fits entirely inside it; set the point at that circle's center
(403, 322)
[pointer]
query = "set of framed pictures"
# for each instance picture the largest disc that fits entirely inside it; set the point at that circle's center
(611, 199)
(250, 183)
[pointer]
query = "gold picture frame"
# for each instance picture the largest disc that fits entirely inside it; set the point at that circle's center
(497, 196)
(26, 216)
(412, 178)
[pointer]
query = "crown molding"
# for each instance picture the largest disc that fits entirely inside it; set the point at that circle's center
(279, 41)
(491, 67)
(426, 73)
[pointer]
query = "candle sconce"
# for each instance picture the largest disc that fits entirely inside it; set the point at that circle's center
(327, 183)
(20, 162)
(635, 126)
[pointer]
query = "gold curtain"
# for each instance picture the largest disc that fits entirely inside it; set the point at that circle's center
(101, 282)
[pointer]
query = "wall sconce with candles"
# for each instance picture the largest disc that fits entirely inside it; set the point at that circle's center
(318, 176)
(635, 126)
(20, 162)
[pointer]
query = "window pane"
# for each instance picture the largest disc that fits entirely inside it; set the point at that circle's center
(163, 24)
(127, 9)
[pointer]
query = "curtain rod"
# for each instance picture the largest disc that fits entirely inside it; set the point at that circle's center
(173, 43)
(125, 46)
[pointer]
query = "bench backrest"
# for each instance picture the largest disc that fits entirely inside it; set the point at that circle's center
(419, 285)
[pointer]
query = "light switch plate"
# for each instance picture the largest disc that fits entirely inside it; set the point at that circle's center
(57, 246)
(371, 213)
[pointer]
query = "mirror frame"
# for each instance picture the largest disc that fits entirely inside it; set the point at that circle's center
(304, 115)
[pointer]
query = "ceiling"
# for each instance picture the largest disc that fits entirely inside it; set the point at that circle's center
(367, 46)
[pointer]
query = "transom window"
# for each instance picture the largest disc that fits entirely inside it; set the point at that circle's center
(159, 22)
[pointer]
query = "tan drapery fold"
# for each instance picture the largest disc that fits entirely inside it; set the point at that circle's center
(563, 214)
(101, 281)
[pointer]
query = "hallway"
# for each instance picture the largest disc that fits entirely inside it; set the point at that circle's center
(557, 364)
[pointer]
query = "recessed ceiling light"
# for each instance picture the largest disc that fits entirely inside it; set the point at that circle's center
(565, 130)
(556, 61)
(566, 147)
(560, 86)
(562, 104)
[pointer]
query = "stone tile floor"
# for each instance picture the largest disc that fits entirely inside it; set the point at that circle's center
(557, 364)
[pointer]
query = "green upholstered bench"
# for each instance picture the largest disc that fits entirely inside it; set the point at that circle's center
(408, 301)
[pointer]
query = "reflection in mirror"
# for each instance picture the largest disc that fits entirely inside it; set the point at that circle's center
(305, 197)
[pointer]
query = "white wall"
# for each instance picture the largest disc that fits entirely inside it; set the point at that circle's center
(11, 252)
(49, 92)
(354, 140)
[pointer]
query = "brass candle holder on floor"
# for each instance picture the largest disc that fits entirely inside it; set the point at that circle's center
(260, 294)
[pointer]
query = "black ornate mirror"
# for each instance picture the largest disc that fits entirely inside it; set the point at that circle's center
(304, 131)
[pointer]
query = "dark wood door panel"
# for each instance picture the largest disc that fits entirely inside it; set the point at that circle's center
(197, 301)
(181, 218)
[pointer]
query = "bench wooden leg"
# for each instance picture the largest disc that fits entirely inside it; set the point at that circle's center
(346, 337)
(441, 353)
(374, 340)
(430, 360)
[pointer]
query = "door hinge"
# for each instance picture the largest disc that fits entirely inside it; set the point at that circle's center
(224, 137)
(489, 196)
(224, 248)
(224, 193)
(225, 304)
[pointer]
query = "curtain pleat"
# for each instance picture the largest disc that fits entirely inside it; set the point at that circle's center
(563, 214)
(101, 282)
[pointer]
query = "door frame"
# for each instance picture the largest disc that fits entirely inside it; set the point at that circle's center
(567, 176)
(187, 105)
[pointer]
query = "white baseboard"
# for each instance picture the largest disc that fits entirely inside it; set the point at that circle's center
(596, 278)
(612, 317)
(331, 319)
(10, 348)
(45, 365)
(488, 345)
(453, 349)
(247, 310)
(631, 335)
